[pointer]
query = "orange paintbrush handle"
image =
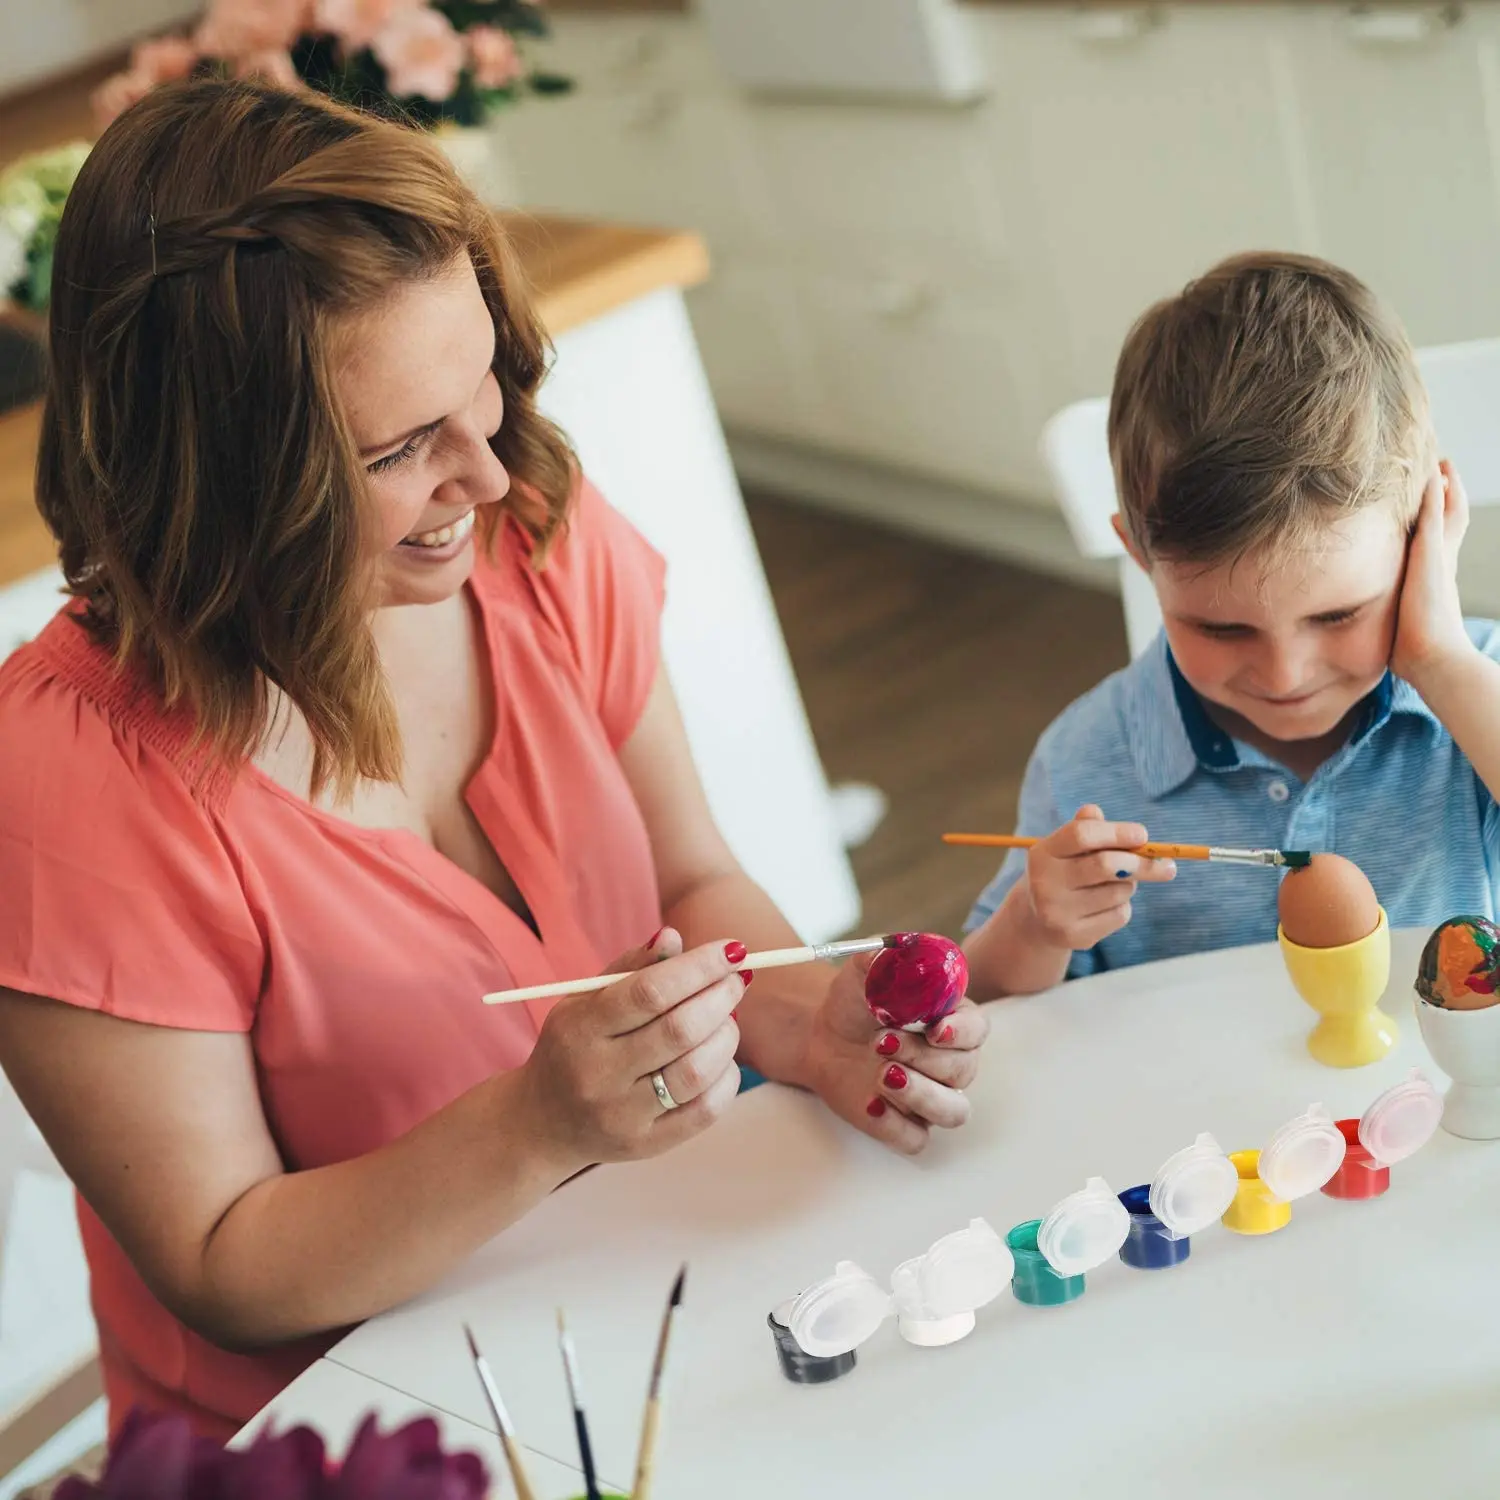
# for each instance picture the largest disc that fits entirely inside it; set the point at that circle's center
(1015, 841)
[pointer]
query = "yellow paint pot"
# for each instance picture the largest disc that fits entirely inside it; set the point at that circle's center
(1255, 1210)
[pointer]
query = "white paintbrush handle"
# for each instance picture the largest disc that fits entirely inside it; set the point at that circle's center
(772, 958)
(552, 991)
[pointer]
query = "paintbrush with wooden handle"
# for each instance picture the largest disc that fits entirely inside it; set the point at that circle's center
(772, 958)
(1291, 859)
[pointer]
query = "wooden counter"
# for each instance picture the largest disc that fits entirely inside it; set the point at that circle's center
(578, 271)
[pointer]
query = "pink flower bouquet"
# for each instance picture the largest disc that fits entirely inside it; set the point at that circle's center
(427, 61)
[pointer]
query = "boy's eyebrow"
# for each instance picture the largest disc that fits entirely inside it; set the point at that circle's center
(1344, 609)
(1333, 609)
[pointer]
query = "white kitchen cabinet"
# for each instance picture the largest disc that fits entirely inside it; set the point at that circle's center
(854, 185)
(646, 152)
(925, 373)
(1151, 143)
(922, 287)
(758, 349)
(26, 606)
(1397, 120)
(627, 51)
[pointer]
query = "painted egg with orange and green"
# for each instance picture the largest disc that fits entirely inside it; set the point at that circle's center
(1460, 967)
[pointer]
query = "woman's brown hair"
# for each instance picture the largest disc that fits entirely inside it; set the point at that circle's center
(195, 465)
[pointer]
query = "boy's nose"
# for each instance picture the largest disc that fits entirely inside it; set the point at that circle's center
(1284, 673)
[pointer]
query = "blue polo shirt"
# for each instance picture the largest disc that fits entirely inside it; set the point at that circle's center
(1400, 799)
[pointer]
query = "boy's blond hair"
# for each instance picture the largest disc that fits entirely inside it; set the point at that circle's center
(1270, 397)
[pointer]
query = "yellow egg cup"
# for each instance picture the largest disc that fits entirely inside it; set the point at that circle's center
(1255, 1210)
(1344, 986)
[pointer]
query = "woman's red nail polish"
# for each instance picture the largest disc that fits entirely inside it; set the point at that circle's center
(735, 952)
(747, 975)
(734, 1016)
(655, 937)
(889, 1045)
(895, 1076)
(875, 1108)
(945, 1035)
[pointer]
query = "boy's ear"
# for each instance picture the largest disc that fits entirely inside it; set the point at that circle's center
(1134, 553)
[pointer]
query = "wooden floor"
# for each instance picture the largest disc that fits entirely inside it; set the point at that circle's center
(929, 672)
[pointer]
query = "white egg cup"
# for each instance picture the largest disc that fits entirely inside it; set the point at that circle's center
(1465, 1044)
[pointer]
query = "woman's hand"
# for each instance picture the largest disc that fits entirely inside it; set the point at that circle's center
(893, 1085)
(589, 1082)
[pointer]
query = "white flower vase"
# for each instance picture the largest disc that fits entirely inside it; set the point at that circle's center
(481, 159)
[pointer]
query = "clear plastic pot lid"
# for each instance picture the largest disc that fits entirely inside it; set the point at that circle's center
(1402, 1120)
(839, 1314)
(1084, 1230)
(1194, 1188)
(1302, 1155)
(963, 1271)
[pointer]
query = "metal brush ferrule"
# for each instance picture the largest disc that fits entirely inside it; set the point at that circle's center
(1246, 856)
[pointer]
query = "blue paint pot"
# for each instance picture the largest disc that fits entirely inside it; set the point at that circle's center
(1150, 1245)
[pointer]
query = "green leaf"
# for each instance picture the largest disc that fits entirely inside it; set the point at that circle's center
(38, 291)
(514, 16)
(550, 83)
(499, 98)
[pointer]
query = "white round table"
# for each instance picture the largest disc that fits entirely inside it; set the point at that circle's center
(1354, 1353)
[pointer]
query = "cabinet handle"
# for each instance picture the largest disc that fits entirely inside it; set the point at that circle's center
(899, 300)
(640, 54)
(652, 112)
(1390, 27)
(1114, 26)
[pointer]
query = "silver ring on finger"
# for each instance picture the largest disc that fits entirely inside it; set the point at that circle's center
(663, 1093)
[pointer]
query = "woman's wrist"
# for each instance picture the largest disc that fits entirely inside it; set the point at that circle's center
(776, 1031)
(528, 1135)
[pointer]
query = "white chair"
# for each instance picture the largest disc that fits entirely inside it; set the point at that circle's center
(1463, 384)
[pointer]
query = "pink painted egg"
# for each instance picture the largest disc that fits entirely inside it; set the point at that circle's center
(918, 980)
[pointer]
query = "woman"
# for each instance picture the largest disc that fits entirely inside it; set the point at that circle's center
(357, 713)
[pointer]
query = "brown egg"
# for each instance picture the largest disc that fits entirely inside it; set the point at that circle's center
(1327, 903)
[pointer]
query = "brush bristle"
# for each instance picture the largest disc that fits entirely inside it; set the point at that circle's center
(1296, 859)
(675, 1300)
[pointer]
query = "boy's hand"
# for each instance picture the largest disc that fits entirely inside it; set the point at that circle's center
(1430, 622)
(1081, 879)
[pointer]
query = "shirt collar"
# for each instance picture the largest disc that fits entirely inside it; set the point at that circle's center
(1403, 698)
(1212, 748)
(1171, 734)
(1160, 741)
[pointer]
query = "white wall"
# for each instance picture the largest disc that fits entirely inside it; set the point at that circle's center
(39, 38)
(919, 287)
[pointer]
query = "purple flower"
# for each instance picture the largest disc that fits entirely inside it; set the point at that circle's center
(161, 1458)
(409, 1464)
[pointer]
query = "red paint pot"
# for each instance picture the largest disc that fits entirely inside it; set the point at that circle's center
(1361, 1176)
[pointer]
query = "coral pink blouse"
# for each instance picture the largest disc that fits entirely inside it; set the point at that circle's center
(353, 958)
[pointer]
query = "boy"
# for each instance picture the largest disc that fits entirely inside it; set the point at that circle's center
(1315, 685)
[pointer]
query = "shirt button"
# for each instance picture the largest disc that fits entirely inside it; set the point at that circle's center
(1278, 791)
